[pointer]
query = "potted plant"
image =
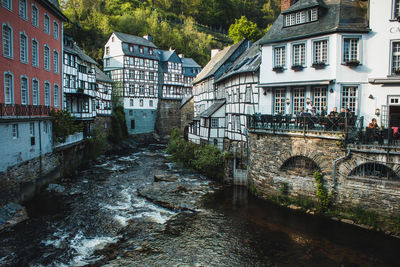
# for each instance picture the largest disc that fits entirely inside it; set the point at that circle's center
(278, 69)
(297, 67)
(352, 63)
(319, 65)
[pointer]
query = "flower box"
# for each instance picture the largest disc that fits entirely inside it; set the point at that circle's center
(352, 63)
(278, 69)
(319, 65)
(297, 67)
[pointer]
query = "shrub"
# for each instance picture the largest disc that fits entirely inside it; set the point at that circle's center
(363, 216)
(324, 198)
(119, 130)
(64, 125)
(97, 144)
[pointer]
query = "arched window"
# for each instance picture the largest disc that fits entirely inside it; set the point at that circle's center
(7, 41)
(24, 91)
(23, 47)
(47, 94)
(46, 57)
(56, 96)
(300, 165)
(8, 88)
(375, 171)
(35, 92)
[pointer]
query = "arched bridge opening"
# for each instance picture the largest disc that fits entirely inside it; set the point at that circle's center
(300, 165)
(374, 170)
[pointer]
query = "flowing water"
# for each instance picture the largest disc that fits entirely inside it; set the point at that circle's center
(99, 218)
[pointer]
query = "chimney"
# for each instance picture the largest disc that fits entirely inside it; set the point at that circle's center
(285, 4)
(214, 52)
(148, 37)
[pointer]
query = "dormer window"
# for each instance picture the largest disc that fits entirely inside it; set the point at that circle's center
(141, 49)
(301, 17)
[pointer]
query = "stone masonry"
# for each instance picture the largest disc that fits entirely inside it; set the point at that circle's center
(168, 116)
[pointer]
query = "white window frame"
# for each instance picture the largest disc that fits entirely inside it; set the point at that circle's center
(214, 123)
(56, 30)
(46, 18)
(24, 5)
(10, 53)
(299, 57)
(298, 99)
(26, 94)
(32, 129)
(279, 100)
(23, 48)
(351, 39)
(394, 58)
(352, 97)
(10, 99)
(395, 9)
(318, 53)
(320, 97)
(56, 92)
(56, 61)
(7, 4)
(35, 15)
(35, 53)
(46, 59)
(14, 131)
(279, 56)
(47, 93)
(35, 92)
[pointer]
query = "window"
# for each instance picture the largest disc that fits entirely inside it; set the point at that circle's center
(396, 58)
(350, 50)
(396, 9)
(46, 94)
(8, 88)
(107, 60)
(132, 124)
(7, 4)
(141, 89)
(7, 41)
(131, 102)
(15, 131)
(24, 91)
(131, 74)
(141, 75)
(248, 93)
(279, 57)
(35, 16)
(56, 96)
(300, 17)
(141, 102)
(45, 127)
(238, 125)
(35, 52)
(32, 129)
(279, 101)
(107, 50)
(349, 98)
(298, 99)
(130, 112)
(55, 61)
(141, 49)
(141, 62)
(320, 51)
(299, 55)
(46, 57)
(35, 92)
(214, 122)
(46, 24)
(23, 48)
(151, 76)
(150, 103)
(151, 90)
(55, 30)
(319, 97)
(22, 9)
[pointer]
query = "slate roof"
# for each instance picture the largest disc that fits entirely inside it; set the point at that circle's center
(101, 76)
(189, 63)
(333, 16)
(249, 61)
(54, 6)
(165, 54)
(82, 55)
(216, 62)
(132, 39)
(212, 109)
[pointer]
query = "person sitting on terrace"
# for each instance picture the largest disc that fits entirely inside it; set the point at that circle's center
(307, 113)
(373, 124)
(314, 112)
(324, 111)
(342, 113)
(348, 113)
(300, 113)
(334, 113)
(309, 106)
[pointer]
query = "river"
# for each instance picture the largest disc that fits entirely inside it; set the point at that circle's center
(114, 214)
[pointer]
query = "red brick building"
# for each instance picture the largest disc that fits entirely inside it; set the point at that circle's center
(30, 75)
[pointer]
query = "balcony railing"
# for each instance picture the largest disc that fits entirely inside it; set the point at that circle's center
(16, 110)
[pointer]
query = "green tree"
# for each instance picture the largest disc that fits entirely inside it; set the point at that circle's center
(243, 28)
(64, 125)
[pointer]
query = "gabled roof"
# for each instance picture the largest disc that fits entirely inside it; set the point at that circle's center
(212, 109)
(101, 76)
(189, 63)
(216, 62)
(165, 54)
(82, 55)
(249, 61)
(132, 39)
(333, 16)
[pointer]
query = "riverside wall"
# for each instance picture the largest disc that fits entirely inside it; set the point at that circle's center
(270, 154)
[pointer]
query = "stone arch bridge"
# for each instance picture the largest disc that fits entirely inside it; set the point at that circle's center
(367, 176)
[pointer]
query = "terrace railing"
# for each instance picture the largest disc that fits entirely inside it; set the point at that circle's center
(18, 111)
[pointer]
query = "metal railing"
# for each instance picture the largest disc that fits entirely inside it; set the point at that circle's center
(16, 110)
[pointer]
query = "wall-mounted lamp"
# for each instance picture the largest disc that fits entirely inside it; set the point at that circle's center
(331, 91)
(287, 101)
(377, 112)
(371, 96)
(266, 90)
(308, 100)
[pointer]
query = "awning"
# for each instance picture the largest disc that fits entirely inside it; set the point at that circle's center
(384, 80)
(297, 83)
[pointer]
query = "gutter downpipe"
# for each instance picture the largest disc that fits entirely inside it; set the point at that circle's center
(348, 152)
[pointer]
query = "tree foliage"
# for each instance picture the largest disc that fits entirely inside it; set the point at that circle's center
(64, 125)
(243, 28)
(172, 23)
